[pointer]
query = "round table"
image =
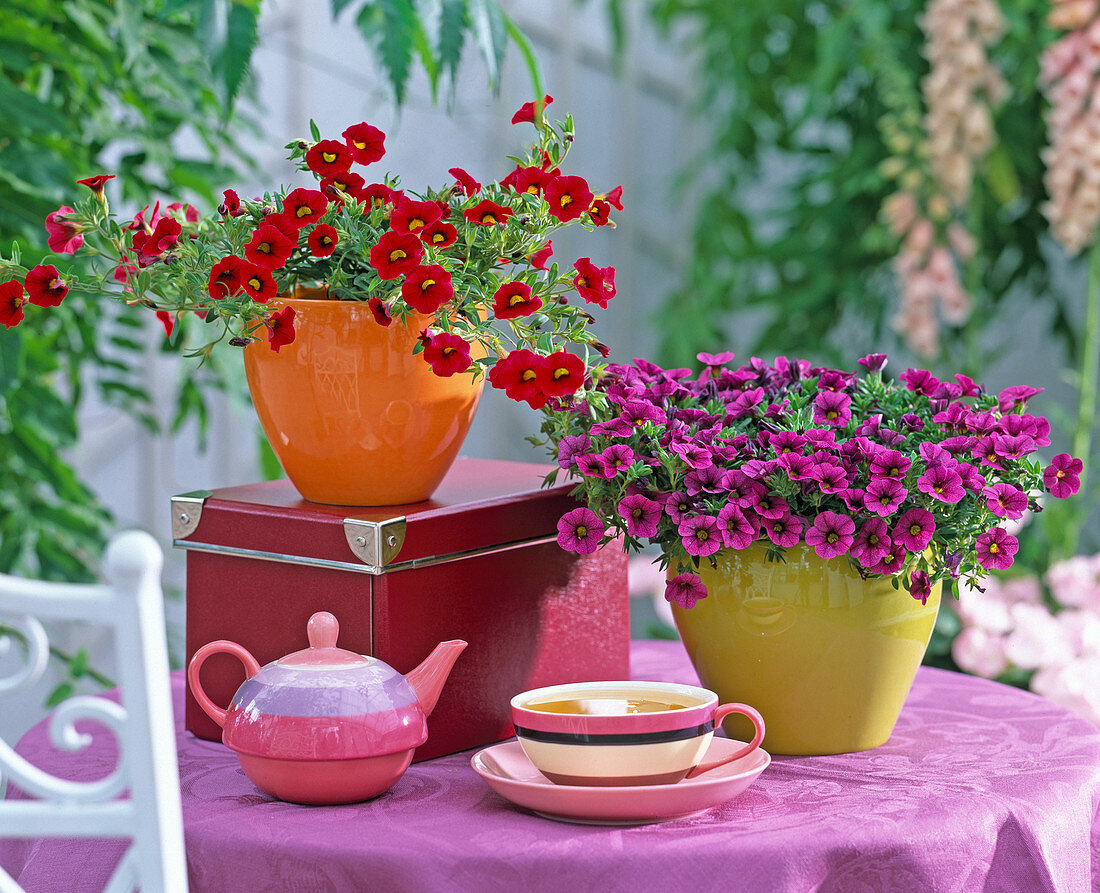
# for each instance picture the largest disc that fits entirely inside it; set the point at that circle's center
(981, 787)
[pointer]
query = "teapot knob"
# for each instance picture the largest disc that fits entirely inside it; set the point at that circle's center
(322, 630)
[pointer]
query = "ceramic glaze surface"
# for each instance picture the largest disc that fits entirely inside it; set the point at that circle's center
(353, 415)
(826, 657)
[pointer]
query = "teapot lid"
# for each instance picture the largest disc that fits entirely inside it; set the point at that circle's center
(322, 631)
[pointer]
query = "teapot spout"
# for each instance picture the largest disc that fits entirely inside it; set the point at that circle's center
(427, 680)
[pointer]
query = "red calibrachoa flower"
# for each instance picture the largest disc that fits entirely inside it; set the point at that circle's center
(269, 247)
(96, 183)
(600, 212)
(259, 283)
(396, 254)
(538, 259)
(427, 288)
(569, 197)
(65, 237)
(189, 212)
(439, 234)
(561, 374)
(447, 354)
(349, 183)
(280, 328)
(367, 143)
(514, 300)
(167, 320)
(11, 303)
(231, 204)
(518, 376)
(527, 111)
(283, 224)
(468, 184)
(532, 180)
(410, 216)
(378, 194)
(150, 247)
(227, 277)
(45, 288)
(380, 310)
(304, 206)
(329, 157)
(614, 197)
(322, 240)
(595, 284)
(487, 213)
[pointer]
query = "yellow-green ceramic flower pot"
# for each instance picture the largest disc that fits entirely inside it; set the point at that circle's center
(826, 657)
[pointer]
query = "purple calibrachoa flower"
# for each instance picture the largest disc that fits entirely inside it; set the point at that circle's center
(972, 479)
(580, 531)
(703, 480)
(892, 562)
(615, 459)
(830, 478)
(786, 442)
(1015, 397)
(995, 549)
(570, 447)
(872, 543)
(642, 515)
(831, 534)
(853, 498)
(921, 381)
(739, 531)
(767, 505)
(700, 535)
(873, 362)
(1005, 501)
(785, 531)
(590, 464)
(986, 453)
(685, 590)
(942, 483)
(715, 359)
(677, 505)
(1010, 446)
(694, 455)
(832, 408)
(889, 464)
(884, 495)
(797, 466)
(1063, 476)
(920, 587)
(914, 529)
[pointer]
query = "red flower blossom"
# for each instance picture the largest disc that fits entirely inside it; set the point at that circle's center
(322, 240)
(527, 111)
(538, 258)
(45, 288)
(259, 283)
(532, 180)
(410, 216)
(595, 284)
(329, 157)
(514, 300)
(283, 224)
(280, 328)
(488, 213)
(339, 186)
(96, 183)
(517, 375)
(447, 354)
(304, 206)
(439, 234)
(469, 184)
(269, 247)
(227, 277)
(379, 194)
(124, 271)
(569, 197)
(189, 212)
(11, 303)
(427, 288)
(166, 320)
(380, 310)
(396, 254)
(614, 197)
(561, 374)
(367, 143)
(600, 212)
(231, 204)
(151, 246)
(65, 235)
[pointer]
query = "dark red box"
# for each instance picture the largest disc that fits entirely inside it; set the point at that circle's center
(479, 561)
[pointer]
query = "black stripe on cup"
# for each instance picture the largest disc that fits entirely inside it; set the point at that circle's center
(629, 738)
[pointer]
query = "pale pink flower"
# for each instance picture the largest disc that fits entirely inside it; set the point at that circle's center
(980, 652)
(1076, 582)
(988, 611)
(1037, 640)
(1075, 685)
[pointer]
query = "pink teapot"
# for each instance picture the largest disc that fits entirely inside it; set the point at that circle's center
(325, 725)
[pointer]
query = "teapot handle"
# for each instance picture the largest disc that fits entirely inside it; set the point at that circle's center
(251, 668)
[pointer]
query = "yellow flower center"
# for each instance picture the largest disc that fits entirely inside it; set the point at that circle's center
(265, 247)
(528, 375)
(426, 284)
(561, 372)
(415, 223)
(447, 351)
(831, 538)
(255, 283)
(994, 548)
(581, 282)
(396, 255)
(304, 211)
(914, 529)
(566, 200)
(329, 157)
(437, 238)
(516, 299)
(582, 530)
(358, 145)
(488, 219)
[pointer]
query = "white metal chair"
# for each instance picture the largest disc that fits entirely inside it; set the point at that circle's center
(131, 604)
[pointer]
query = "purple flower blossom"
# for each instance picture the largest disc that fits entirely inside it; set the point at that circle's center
(739, 530)
(1013, 447)
(797, 466)
(834, 380)
(884, 495)
(677, 505)
(921, 381)
(972, 479)
(942, 483)
(642, 515)
(700, 535)
(685, 590)
(914, 529)
(832, 408)
(703, 480)
(853, 498)
(1015, 397)
(1062, 476)
(1005, 501)
(785, 531)
(872, 543)
(981, 423)
(889, 464)
(859, 449)
(715, 359)
(571, 446)
(590, 464)
(831, 534)
(615, 459)
(959, 446)
(966, 386)
(830, 477)
(986, 453)
(890, 437)
(954, 417)
(873, 362)
(694, 455)
(786, 442)
(892, 562)
(744, 403)
(580, 531)
(912, 421)
(934, 454)
(1035, 427)
(759, 468)
(920, 587)
(768, 505)
(995, 549)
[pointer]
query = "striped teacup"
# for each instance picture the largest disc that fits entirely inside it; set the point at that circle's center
(623, 733)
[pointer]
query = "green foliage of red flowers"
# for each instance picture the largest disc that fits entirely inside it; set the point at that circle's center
(913, 477)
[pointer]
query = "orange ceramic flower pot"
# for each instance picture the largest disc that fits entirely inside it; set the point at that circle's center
(354, 416)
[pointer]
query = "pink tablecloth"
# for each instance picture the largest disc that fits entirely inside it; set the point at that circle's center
(981, 787)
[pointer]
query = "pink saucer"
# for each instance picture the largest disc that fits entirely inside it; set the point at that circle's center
(507, 771)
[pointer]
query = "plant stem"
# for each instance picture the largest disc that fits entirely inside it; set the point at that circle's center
(1087, 386)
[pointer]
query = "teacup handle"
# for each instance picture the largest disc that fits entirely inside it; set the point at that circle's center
(251, 668)
(721, 713)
